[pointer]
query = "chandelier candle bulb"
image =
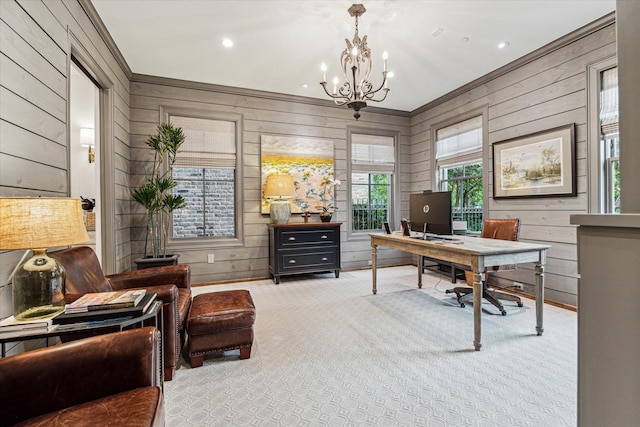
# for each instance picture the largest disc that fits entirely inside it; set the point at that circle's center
(385, 56)
(323, 67)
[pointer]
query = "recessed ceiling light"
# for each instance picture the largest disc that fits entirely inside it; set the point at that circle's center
(437, 32)
(227, 42)
(305, 85)
(464, 39)
(502, 45)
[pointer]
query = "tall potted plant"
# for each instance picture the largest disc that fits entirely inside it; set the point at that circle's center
(156, 195)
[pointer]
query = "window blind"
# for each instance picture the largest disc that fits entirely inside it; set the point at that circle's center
(372, 153)
(461, 138)
(609, 103)
(208, 143)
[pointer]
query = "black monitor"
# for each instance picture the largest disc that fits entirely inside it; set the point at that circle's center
(432, 209)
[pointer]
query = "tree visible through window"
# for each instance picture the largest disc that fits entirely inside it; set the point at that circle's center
(372, 171)
(371, 194)
(459, 170)
(465, 183)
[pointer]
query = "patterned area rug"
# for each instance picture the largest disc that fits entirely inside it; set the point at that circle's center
(327, 352)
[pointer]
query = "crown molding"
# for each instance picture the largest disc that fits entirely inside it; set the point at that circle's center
(232, 90)
(97, 22)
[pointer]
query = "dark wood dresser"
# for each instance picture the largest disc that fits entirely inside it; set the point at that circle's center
(304, 248)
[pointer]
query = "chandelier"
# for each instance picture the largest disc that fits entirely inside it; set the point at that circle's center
(356, 89)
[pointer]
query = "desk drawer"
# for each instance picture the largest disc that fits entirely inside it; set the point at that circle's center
(301, 261)
(308, 238)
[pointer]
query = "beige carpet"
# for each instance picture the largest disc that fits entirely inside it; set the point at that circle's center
(329, 353)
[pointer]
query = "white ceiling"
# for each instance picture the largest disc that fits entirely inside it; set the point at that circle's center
(279, 45)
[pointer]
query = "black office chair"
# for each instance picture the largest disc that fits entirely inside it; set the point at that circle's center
(503, 229)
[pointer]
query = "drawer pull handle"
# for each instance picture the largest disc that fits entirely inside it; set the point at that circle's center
(292, 239)
(293, 261)
(324, 259)
(324, 237)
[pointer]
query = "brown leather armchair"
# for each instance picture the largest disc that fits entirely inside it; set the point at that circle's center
(106, 380)
(172, 284)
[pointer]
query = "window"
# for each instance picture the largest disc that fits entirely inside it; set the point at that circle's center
(372, 172)
(459, 169)
(610, 139)
(205, 173)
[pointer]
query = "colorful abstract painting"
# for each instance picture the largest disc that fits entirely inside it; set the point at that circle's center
(308, 160)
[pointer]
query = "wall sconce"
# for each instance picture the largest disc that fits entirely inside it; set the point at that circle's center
(87, 140)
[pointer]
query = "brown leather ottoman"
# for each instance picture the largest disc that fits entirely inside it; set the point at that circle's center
(220, 321)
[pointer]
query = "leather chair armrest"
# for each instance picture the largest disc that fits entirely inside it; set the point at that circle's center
(179, 275)
(53, 378)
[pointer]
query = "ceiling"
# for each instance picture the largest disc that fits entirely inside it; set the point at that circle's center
(279, 46)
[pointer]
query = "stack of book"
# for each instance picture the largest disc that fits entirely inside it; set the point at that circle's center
(105, 301)
(101, 306)
(11, 324)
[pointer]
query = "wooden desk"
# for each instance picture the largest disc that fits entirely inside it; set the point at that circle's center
(476, 252)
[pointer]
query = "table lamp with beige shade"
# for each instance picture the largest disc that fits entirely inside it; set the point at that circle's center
(38, 224)
(280, 188)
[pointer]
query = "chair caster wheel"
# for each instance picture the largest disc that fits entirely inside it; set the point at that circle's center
(519, 304)
(448, 291)
(504, 313)
(462, 305)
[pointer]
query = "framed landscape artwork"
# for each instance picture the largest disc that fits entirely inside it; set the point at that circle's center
(536, 165)
(308, 160)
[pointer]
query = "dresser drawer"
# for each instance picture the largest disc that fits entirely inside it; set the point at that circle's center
(295, 238)
(300, 261)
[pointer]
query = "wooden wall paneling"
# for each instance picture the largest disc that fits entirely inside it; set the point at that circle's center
(16, 48)
(33, 34)
(19, 142)
(23, 84)
(22, 113)
(35, 44)
(39, 176)
(260, 116)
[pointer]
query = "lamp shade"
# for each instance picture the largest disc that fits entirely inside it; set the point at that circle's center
(40, 223)
(280, 186)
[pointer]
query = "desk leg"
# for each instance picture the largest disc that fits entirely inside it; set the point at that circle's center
(420, 264)
(374, 261)
(539, 296)
(477, 309)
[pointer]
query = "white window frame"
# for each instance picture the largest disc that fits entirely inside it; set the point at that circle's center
(372, 169)
(599, 161)
(206, 242)
(477, 155)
